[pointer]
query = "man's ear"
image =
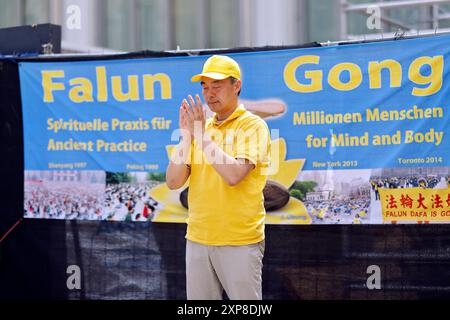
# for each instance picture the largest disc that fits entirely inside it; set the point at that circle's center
(237, 86)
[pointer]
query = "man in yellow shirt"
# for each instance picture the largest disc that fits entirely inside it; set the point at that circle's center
(226, 158)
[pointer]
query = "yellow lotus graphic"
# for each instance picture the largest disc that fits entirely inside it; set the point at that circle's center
(294, 212)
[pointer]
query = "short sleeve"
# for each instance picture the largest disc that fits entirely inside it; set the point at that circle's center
(253, 142)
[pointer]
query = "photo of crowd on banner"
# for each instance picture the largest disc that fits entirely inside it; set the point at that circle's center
(128, 202)
(89, 195)
(352, 197)
(329, 196)
(339, 196)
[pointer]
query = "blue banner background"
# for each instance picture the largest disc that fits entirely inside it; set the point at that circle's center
(262, 79)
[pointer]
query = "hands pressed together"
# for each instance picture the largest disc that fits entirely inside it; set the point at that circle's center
(192, 117)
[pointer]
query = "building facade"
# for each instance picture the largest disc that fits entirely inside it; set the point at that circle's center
(129, 25)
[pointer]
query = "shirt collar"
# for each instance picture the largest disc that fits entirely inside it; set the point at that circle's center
(240, 110)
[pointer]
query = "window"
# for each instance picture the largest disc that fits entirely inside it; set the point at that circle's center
(154, 24)
(223, 24)
(322, 20)
(8, 13)
(36, 11)
(117, 25)
(187, 20)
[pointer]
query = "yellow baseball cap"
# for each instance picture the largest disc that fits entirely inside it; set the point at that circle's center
(218, 68)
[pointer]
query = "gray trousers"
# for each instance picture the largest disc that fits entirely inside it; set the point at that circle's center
(235, 269)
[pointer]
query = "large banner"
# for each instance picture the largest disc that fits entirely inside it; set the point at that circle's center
(360, 133)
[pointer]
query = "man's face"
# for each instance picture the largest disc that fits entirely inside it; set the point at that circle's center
(220, 95)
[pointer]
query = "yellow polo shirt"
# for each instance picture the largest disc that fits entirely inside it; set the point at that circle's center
(220, 214)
